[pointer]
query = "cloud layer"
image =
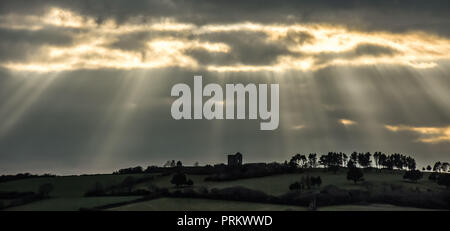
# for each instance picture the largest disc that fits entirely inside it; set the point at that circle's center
(60, 40)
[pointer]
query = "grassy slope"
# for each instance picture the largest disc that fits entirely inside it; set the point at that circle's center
(70, 203)
(373, 207)
(64, 186)
(182, 204)
(68, 191)
(279, 184)
(187, 204)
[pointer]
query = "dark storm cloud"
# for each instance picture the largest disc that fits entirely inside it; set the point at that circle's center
(18, 44)
(249, 48)
(298, 37)
(246, 44)
(136, 41)
(402, 15)
(45, 36)
(364, 49)
(373, 50)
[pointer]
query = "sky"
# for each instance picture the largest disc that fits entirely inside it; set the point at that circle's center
(85, 85)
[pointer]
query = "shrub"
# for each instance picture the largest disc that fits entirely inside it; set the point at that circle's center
(45, 189)
(179, 179)
(433, 176)
(202, 190)
(240, 194)
(296, 186)
(333, 195)
(316, 181)
(444, 179)
(97, 190)
(355, 174)
(413, 175)
(152, 188)
(296, 198)
(128, 183)
(252, 171)
(306, 182)
(133, 170)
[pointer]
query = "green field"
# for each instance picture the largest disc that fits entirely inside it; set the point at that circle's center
(69, 190)
(70, 203)
(373, 207)
(279, 184)
(187, 204)
(76, 186)
(182, 204)
(65, 186)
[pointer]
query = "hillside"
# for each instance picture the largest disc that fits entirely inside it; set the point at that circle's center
(68, 191)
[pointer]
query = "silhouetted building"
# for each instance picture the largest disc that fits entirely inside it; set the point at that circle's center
(235, 160)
